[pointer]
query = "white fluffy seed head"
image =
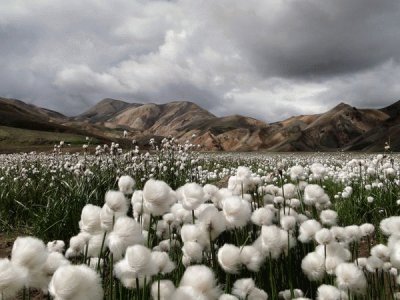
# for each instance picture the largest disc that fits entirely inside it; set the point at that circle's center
(94, 245)
(56, 246)
(12, 279)
(308, 229)
(156, 192)
(296, 172)
(126, 274)
(237, 211)
(329, 292)
(318, 170)
(323, 236)
(162, 262)
(367, 229)
(137, 197)
(395, 254)
(328, 217)
(194, 233)
(374, 264)
(288, 191)
(288, 223)
(138, 258)
(202, 279)
(229, 258)
(212, 221)
(126, 184)
(271, 241)
(287, 294)
(294, 203)
(353, 233)
(227, 297)
(361, 262)
(76, 282)
(262, 216)
(77, 243)
(193, 252)
(29, 252)
(53, 262)
(90, 219)
(381, 251)
(126, 232)
(243, 287)
(390, 226)
(339, 233)
(334, 249)
(209, 191)
(188, 293)
(166, 290)
(251, 258)
(116, 201)
(313, 194)
(191, 195)
(349, 277)
(313, 266)
(259, 294)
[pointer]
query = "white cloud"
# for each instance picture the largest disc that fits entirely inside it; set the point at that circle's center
(268, 59)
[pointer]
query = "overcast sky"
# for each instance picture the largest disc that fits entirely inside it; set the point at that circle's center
(267, 59)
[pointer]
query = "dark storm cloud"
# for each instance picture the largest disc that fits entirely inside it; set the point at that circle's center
(313, 37)
(266, 59)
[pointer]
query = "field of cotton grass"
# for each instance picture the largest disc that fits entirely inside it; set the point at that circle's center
(174, 224)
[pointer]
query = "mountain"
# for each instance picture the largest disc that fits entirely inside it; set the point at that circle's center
(162, 119)
(183, 120)
(340, 125)
(343, 127)
(386, 131)
(15, 110)
(104, 110)
(15, 113)
(24, 125)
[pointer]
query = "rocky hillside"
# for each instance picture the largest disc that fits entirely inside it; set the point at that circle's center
(341, 128)
(104, 110)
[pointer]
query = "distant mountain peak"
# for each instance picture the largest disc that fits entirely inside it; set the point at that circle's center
(105, 109)
(111, 100)
(341, 106)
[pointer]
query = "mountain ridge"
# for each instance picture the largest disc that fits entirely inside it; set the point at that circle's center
(343, 127)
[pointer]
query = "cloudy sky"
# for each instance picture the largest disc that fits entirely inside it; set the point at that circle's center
(266, 59)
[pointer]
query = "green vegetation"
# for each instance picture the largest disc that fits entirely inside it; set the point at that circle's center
(304, 222)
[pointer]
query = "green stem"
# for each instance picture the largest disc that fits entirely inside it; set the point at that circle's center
(149, 232)
(227, 283)
(271, 277)
(290, 268)
(111, 275)
(101, 251)
(214, 259)
(137, 289)
(158, 286)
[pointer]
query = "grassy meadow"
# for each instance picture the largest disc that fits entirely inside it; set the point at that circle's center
(174, 223)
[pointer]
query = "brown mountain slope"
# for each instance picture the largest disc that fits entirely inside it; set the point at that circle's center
(104, 110)
(342, 127)
(386, 131)
(19, 107)
(339, 126)
(231, 133)
(18, 114)
(184, 119)
(159, 119)
(15, 113)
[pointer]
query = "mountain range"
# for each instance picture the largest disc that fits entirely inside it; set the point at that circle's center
(343, 127)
